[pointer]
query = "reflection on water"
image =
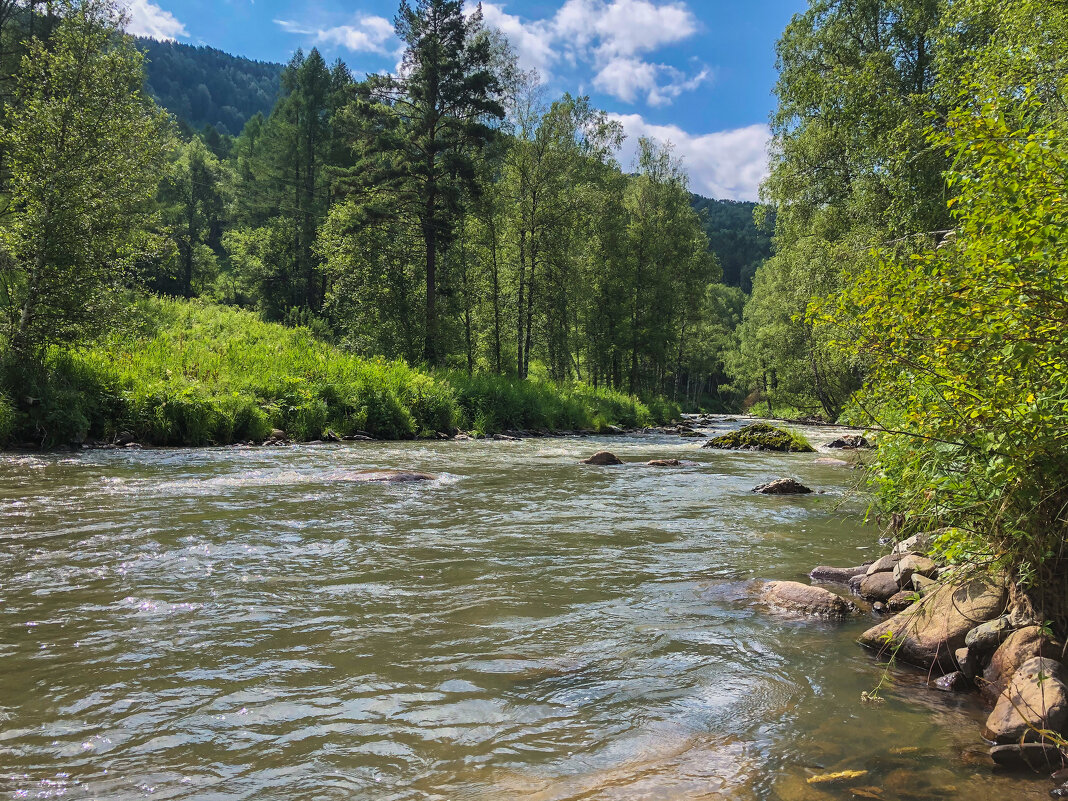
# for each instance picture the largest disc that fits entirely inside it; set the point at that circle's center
(253, 623)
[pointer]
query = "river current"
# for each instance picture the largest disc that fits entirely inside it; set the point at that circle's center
(256, 623)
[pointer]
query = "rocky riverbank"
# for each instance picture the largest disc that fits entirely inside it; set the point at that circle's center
(974, 633)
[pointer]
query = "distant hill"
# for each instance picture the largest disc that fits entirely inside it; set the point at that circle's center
(734, 237)
(202, 85)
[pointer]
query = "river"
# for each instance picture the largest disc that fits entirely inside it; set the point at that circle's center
(253, 623)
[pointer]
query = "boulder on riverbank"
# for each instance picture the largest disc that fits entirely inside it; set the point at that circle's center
(879, 587)
(1036, 701)
(783, 486)
(805, 599)
(929, 632)
(1019, 647)
(603, 459)
(760, 437)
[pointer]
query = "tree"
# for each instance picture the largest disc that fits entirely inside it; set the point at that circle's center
(283, 173)
(192, 197)
(418, 133)
(84, 153)
(850, 167)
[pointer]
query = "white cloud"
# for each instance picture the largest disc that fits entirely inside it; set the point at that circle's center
(533, 41)
(624, 27)
(724, 164)
(626, 78)
(608, 36)
(148, 19)
(367, 34)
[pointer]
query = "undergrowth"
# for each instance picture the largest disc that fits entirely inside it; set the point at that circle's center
(191, 373)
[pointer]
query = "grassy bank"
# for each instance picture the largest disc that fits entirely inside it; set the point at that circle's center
(190, 373)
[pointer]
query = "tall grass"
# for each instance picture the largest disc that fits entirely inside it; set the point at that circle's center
(191, 373)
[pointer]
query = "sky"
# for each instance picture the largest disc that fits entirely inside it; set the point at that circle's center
(696, 73)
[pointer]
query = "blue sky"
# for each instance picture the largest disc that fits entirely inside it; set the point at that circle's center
(697, 73)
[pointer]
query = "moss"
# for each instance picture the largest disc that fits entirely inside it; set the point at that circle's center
(761, 437)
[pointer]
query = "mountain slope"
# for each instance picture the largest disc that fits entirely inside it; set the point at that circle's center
(734, 237)
(205, 86)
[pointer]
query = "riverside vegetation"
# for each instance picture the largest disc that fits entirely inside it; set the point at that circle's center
(448, 217)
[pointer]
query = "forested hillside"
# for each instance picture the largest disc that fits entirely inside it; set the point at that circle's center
(204, 86)
(735, 237)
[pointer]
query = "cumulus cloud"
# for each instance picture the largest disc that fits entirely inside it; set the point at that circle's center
(148, 19)
(610, 36)
(724, 164)
(366, 34)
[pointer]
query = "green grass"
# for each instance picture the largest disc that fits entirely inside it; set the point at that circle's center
(191, 373)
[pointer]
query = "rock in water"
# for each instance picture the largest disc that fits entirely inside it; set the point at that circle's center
(1019, 647)
(836, 575)
(849, 442)
(952, 682)
(928, 633)
(760, 437)
(783, 486)
(1037, 757)
(390, 477)
(796, 597)
(918, 543)
(604, 459)
(1037, 699)
(878, 587)
(665, 463)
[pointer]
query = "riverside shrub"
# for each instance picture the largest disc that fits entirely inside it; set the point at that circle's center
(968, 349)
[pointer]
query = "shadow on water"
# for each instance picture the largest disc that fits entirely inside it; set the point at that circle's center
(253, 623)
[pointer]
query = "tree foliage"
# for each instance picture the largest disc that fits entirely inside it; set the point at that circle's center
(83, 149)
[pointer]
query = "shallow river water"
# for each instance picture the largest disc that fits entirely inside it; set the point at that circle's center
(255, 624)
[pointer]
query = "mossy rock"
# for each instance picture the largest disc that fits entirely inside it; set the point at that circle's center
(761, 437)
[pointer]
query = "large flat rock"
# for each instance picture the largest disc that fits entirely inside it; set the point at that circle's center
(929, 632)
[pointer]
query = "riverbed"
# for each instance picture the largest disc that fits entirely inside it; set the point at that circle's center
(258, 623)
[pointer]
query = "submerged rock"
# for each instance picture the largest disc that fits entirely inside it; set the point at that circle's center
(1036, 700)
(760, 437)
(807, 600)
(603, 459)
(1037, 757)
(783, 486)
(836, 575)
(954, 682)
(928, 633)
(833, 462)
(390, 477)
(665, 463)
